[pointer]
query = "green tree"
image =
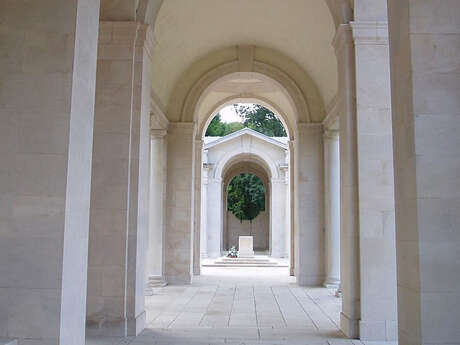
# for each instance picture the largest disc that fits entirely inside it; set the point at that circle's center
(254, 116)
(217, 128)
(260, 119)
(246, 196)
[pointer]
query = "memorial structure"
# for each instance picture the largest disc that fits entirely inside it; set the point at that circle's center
(105, 103)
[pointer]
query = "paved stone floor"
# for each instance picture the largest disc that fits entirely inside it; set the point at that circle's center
(240, 306)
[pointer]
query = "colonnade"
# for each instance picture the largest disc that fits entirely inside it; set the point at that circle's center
(60, 189)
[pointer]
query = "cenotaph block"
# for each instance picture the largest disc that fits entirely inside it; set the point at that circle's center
(246, 247)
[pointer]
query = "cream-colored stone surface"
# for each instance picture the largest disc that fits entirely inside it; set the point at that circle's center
(179, 203)
(245, 151)
(181, 42)
(424, 51)
(309, 216)
(258, 228)
(47, 73)
(332, 206)
(119, 221)
(376, 182)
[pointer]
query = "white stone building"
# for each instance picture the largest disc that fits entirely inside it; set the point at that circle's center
(245, 151)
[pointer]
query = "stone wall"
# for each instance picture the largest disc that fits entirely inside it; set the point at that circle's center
(259, 227)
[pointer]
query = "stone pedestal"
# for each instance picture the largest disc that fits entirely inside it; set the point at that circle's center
(246, 247)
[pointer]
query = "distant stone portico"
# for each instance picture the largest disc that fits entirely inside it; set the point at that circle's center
(245, 151)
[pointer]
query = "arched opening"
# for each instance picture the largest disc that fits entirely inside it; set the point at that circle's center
(245, 139)
(245, 211)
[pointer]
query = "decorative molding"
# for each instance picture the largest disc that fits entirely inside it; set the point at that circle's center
(181, 127)
(331, 134)
(158, 133)
(370, 33)
(245, 131)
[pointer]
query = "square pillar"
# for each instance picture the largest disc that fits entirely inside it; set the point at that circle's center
(375, 182)
(349, 207)
(425, 81)
(120, 181)
(48, 73)
(180, 203)
(156, 236)
(309, 234)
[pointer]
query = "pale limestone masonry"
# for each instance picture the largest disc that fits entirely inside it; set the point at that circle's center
(120, 180)
(425, 51)
(79, 175)
(46, 129)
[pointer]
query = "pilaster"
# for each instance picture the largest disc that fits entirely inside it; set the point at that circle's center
(180, 203)
(120, 183)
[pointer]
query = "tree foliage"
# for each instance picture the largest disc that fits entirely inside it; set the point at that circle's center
(253, 116)
(217, 128)
(246, 196)
(260, 119)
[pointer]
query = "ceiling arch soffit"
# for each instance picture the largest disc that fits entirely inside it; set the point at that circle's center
(235, 156)
(246, 167)
(287, 82)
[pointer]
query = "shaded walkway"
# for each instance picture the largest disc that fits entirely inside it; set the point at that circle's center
(240, 306)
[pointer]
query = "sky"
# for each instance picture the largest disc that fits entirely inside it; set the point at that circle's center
(228, 114)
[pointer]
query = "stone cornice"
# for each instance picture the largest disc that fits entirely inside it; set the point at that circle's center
(182, 127)
(370, 33)
(158, 133)
(331, 134)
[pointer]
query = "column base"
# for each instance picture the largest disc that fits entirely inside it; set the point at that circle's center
(116, 328)
(185, 279)
(378, 330)
(310, 280)
(153, 283)
(350, 327)
(331, 283)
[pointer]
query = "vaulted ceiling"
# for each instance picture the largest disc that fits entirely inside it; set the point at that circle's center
(186, 31)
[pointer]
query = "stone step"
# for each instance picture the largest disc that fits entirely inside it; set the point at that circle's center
(245, 259)
(243, 265)
(4, 341)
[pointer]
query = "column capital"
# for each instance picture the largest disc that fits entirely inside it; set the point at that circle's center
(331, 134)
(158, 133)
(343, 38)
(370, 33)
(182, 127)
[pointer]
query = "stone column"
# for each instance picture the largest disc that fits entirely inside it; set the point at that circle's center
(215, 217)
(197, 207)
(278, 220)
(179, 203)
(425, 80)
(349, 220)
(204, 206)
(47, 72)
(332, 206)
(292, 207)
(155, 252)
(309, 235)
(119, 219)
(376, 182)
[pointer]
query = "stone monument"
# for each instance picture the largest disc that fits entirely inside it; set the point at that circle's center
(245, 246)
